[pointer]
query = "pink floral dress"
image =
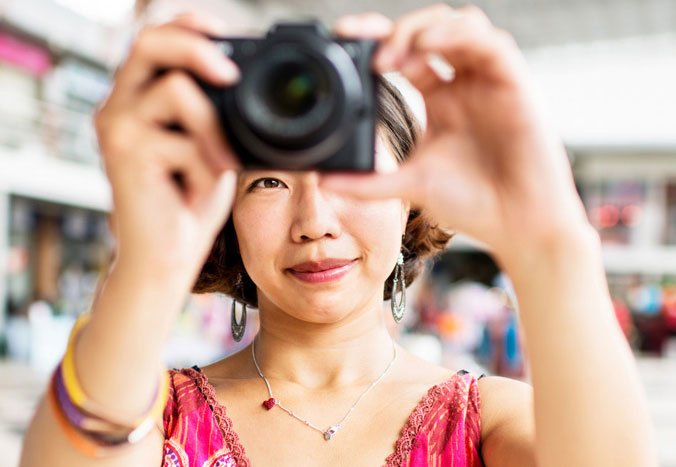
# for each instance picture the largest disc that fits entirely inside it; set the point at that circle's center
(443, 430)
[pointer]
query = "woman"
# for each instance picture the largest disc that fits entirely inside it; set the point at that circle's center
(487, 165)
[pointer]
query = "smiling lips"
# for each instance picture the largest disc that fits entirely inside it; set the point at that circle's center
(326, 270)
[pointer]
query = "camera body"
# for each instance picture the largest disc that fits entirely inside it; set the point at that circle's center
(305, 100)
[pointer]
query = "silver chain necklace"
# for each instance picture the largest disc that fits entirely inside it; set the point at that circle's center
(333, 429)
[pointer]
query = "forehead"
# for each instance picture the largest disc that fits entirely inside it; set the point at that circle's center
(385, 159)
(385, 162)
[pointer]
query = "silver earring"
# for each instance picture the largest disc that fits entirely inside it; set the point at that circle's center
(238, 328)
(398, 307)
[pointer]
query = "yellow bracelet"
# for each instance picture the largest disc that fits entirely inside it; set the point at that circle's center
(80, 399)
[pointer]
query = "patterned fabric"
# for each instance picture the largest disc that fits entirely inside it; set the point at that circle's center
(443, 430)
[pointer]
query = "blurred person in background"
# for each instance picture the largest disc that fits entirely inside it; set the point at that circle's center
(323, 383)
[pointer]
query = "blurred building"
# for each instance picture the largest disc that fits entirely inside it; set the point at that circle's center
(605, 69)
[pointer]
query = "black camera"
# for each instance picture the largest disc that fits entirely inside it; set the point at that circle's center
(306, 100)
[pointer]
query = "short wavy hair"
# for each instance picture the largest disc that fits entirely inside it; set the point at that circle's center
(422, 240)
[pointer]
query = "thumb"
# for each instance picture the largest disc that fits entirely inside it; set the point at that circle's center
(215, 207)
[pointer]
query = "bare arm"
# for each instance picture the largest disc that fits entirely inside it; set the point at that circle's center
(118, 359)
(589, 407)
(507, 422)
(163, 230)
(586, 388)
(492, 167)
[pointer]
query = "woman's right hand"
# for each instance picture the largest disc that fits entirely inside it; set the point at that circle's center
(164, 229)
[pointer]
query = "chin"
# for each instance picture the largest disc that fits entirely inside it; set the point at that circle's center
(321, 311)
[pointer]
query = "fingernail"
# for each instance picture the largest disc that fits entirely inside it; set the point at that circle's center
(441, 67)
(227, 70)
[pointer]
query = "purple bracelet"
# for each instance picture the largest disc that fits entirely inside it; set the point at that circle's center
(77, 418)
(91, 411)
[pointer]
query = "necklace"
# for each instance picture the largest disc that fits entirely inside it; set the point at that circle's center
(333, 429)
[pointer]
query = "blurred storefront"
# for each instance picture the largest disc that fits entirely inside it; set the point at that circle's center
(55, 242)
(609, 88)
(54, 238)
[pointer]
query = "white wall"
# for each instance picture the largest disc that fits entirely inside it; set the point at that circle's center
(608, 94)
(616, 93)
(35, 175)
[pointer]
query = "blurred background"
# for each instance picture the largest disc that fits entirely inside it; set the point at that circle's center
(606, 69)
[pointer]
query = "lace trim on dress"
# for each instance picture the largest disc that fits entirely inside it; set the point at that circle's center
(403, 446)
(224, 422)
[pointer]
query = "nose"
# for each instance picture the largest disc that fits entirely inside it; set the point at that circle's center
(315, 215)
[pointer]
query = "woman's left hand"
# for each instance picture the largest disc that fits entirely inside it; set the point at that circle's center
(488, 164)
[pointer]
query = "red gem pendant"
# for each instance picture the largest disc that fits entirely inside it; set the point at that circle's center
(270, 403)
(328, 434)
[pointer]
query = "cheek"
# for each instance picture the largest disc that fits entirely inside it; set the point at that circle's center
(381, 216)
(378, 227)
(258, 233)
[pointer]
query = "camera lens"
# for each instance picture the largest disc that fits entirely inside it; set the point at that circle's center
(298, 102)
(292, 90)
(290, 97)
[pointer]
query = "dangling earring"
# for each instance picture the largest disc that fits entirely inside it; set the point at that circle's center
(398, 280)
(238, 328)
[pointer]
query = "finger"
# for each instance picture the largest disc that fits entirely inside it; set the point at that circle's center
(206, 24)
(420, 74)
(173, 47)
(373, 186)
(175, 99)
(180, 157)
(215, 208)
(371, 25)
(492, 53)
(398, 46)
(207, 192)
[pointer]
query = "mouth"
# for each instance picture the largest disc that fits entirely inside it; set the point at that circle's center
(325, 270)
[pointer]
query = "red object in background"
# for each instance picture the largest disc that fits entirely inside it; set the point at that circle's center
(608, 216)
(29, 57)
(623, 316)
(669, 307)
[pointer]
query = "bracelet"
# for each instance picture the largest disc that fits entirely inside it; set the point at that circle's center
(85, 425)
(95, 427)
(81, 442)
(92, 444)
(77, 417)
(77, 395)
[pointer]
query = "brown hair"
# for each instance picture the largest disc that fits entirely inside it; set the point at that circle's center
(422, 239)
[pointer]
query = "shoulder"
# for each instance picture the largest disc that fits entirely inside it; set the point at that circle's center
(451, 396)
(445, 384)
(196, 429)
(507, 422)
(188, 394)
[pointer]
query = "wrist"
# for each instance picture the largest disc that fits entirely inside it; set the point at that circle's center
(140, 300)
(572, 244)
(153, 277)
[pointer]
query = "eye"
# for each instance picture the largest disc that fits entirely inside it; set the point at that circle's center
(266, 182)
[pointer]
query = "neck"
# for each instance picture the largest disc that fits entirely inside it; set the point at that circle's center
(326, 356)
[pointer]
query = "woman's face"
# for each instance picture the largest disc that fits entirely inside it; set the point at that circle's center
(313, 254)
